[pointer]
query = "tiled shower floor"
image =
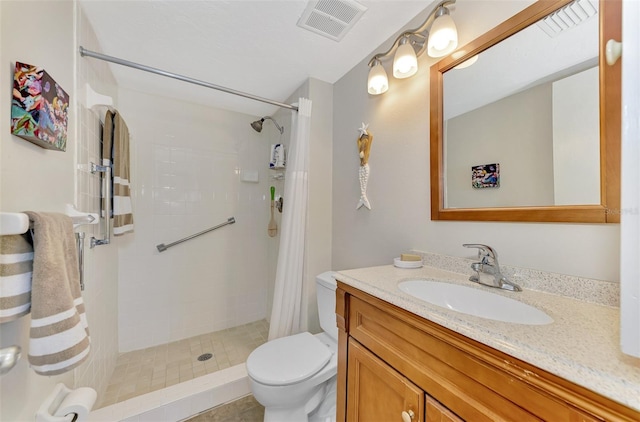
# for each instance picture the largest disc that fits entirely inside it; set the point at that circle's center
(151, 369)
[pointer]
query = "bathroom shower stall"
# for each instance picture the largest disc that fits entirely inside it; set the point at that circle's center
(195, 292)
(194, 168)
(194, 165)
(200, 307)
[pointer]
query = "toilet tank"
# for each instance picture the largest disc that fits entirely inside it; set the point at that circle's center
(326, 295)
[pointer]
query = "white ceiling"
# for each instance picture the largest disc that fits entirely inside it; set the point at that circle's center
(252, 46)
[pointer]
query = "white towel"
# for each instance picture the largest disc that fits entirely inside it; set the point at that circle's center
(115, 151)
(16, 266)
(59, 336)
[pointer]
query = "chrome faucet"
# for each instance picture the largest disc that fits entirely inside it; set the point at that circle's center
(489, 265)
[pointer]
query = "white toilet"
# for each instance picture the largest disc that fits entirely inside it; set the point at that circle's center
(294, 377)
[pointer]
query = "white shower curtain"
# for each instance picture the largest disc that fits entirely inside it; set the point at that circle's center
(287, 315)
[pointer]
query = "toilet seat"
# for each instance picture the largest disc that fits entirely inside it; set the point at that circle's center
(288, 360)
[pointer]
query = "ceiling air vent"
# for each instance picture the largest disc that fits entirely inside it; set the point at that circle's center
(331, 18)
(567, 17)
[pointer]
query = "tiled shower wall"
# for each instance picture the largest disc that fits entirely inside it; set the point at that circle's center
(101, 263)
(188, 171)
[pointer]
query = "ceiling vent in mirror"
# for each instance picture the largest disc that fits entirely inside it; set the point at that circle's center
(567, 17)
(331, 18)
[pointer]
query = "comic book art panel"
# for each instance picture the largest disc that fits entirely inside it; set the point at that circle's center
(39, 108)
(485, 176)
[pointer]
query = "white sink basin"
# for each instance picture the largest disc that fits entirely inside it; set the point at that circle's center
(468, 300)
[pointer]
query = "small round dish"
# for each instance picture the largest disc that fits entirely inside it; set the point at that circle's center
(407, 264)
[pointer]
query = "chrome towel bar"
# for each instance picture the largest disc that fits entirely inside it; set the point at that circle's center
(162, 247)
(80, 245)
(106, 202)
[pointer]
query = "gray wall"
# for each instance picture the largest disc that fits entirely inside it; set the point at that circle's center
(515, 132)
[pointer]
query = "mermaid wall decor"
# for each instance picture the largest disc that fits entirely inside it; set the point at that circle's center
(364, 147)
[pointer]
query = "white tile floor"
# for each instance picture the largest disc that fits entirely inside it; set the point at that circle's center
(154, 368)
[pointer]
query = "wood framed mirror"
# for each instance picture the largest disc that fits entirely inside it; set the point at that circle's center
(448, 165)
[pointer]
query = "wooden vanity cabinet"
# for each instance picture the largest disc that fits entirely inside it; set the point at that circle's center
(391, 361)
(380, 393)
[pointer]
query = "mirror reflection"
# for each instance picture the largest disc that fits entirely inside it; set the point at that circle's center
(521, 124)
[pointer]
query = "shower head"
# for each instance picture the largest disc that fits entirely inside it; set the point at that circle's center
(257, 125)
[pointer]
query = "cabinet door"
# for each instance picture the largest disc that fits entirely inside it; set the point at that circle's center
(436, 412)
(377, 393)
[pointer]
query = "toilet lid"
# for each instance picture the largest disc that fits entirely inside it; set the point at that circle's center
(288, 360)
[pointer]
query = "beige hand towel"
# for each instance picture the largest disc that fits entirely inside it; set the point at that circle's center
(59, 336)
(16, 263)
(115, 150)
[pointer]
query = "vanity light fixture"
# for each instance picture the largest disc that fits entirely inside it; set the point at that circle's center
(437, 35)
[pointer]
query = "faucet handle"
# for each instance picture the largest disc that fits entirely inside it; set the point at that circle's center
(484, 251)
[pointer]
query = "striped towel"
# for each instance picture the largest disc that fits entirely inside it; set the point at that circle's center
(115, 151)
(59, 336)
(16, 264)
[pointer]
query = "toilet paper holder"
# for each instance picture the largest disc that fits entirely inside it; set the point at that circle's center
(67, 405)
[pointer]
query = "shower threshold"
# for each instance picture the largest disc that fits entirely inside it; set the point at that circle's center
(156, 368)
(180, 402)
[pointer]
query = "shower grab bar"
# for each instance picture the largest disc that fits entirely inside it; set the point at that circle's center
(84, 52)
(162, 247)
(80, 247)
(95, 168)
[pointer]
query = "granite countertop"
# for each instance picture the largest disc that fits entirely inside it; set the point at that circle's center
(581, 345)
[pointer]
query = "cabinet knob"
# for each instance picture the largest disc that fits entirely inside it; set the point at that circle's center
(407, 416)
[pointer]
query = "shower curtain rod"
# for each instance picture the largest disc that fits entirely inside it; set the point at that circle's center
(99, 56)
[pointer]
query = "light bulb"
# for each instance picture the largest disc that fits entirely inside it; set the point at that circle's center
(378, 82)
(443, 36)
(405, 62)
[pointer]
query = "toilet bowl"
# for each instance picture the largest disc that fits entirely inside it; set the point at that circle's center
(294, 377)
